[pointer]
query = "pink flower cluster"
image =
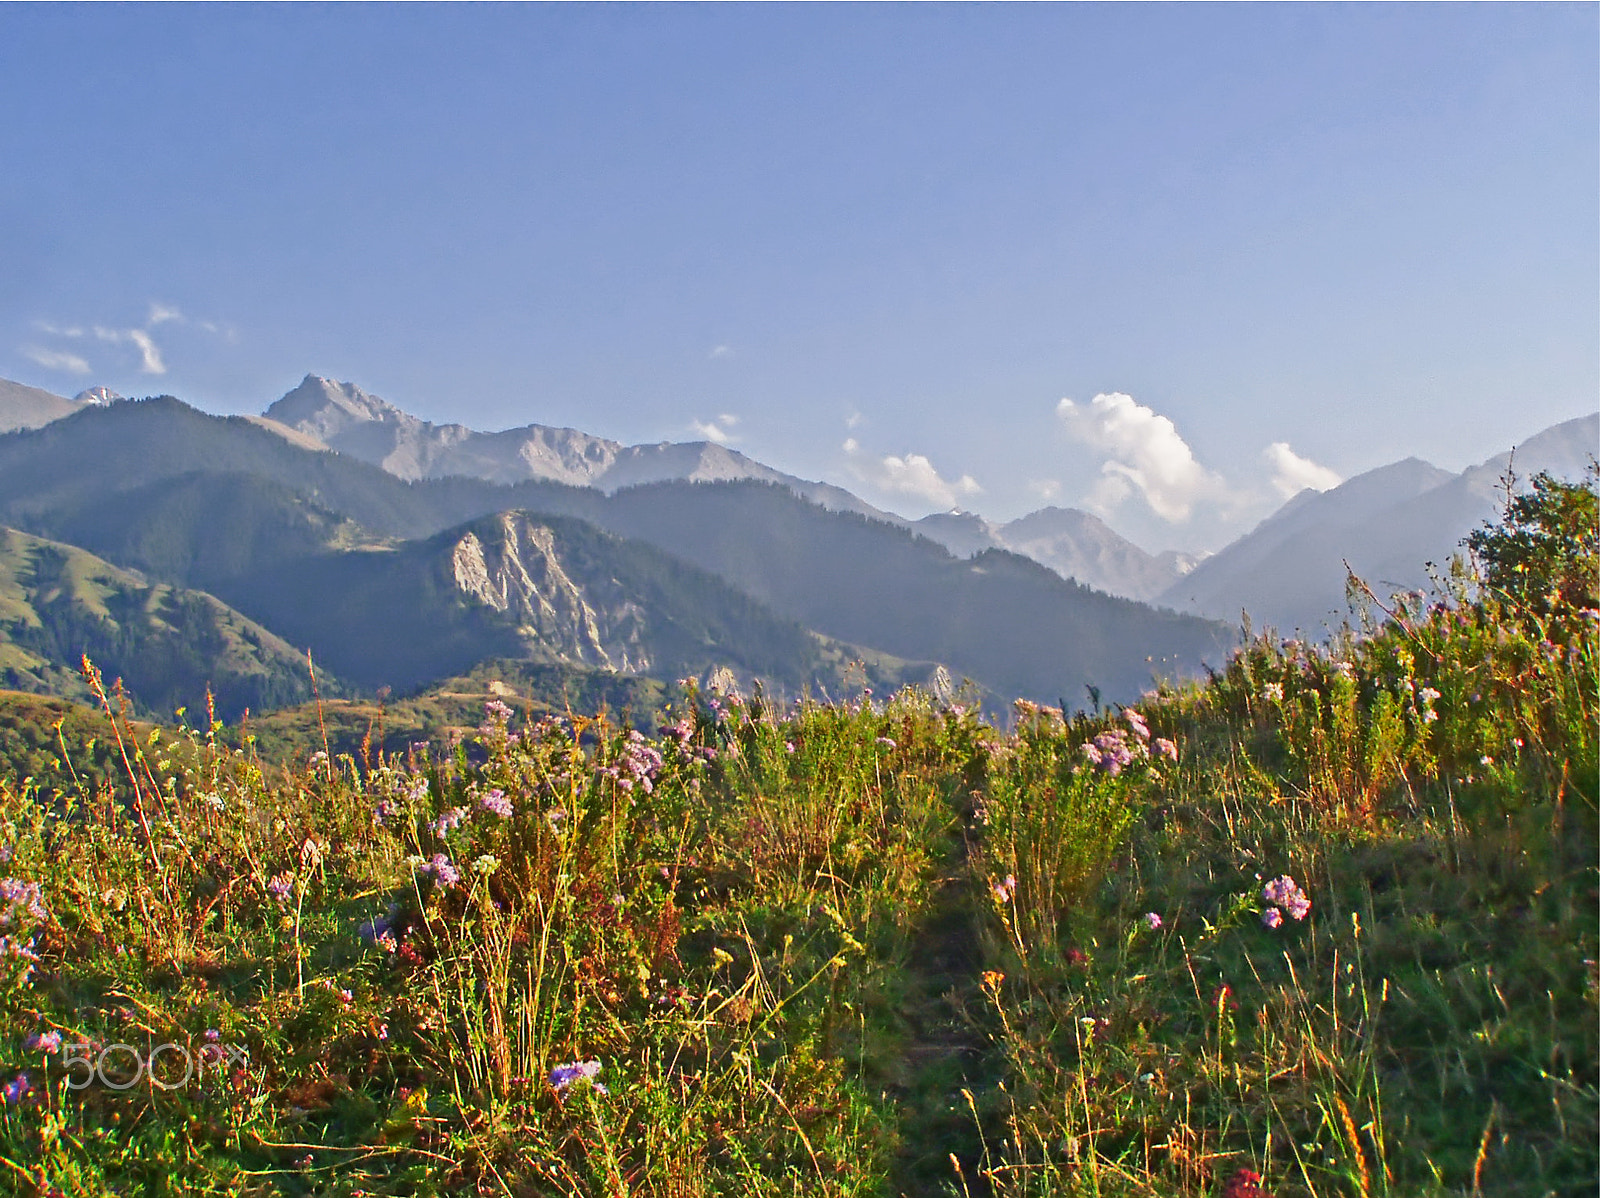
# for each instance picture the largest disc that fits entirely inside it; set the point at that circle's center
(1285, 893)
(1114, 750)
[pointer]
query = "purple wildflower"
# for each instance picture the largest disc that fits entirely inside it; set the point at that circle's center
(497, 802)
(1004, 890)
(1285, 892)
(448, 822)
(16, 1089)
(281, 886)
(1165, 748)
(887, 742)
(1109, 752)
(1136, 722)
(45, 1042)
(563, 1076)
(443, 873)
(1272, 917)
(21, 899)
(1153, 920)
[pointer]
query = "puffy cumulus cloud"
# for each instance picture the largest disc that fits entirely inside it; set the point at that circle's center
(1144, 455)
(718, 429)
(1292, 473)
(52, 359)
(912, 475)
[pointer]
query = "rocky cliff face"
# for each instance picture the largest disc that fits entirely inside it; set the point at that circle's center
(517, 570)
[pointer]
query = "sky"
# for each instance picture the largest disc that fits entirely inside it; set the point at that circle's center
(1166, 263)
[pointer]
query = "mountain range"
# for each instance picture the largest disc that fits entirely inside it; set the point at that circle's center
(401, 552)
(1387, 525)
(393, 582)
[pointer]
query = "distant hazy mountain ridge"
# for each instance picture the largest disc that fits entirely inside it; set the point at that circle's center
(1073, 543)
(343, 417)
(29, 407)
(1289, 572)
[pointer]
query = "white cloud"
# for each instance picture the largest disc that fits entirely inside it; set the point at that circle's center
(854, 419)
(1292, 473)
(160, 314)
(150, 360)
(1044, 488)
(44, 326)
(719, 430)
(720, 351)
(912, 475)
(53, 360)
(1144, 453)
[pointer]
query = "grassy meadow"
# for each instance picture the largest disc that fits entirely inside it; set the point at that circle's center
(1324, 925)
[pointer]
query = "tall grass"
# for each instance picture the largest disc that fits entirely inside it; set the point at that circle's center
(1323, 926)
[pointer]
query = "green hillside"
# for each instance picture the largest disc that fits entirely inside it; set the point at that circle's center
(168, 644)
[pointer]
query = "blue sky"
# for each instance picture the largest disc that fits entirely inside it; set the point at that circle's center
(887, 241)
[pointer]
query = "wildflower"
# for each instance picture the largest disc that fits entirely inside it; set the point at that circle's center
(886, 742)
(1486, 761)
(1004, 890)
(21, 899)
(418, 789)
(45, 1042)
(563, 1076)
(16, 1090)
(212, 1035)
(486, 864)
(1285, 892)
(497, 802)
(281, 886)
(1076, 956)
(1271, 917)
(443, 873)
(788, 746)
(448, 822)
(992, 979)
(1246, 1183)
(1272, 692)
(1152, 920)
(556, 817)
(215, 800)
(1165, 748)
(497, 711)
(1136, 722)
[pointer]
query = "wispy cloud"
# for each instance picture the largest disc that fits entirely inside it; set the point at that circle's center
(718, 429)
(1144, 456)
(1292, 473)
(720, 351)
(150, 360)
(140, 338)
(912, 475)
(52, 359)
(854, 419)
(1045, 488)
